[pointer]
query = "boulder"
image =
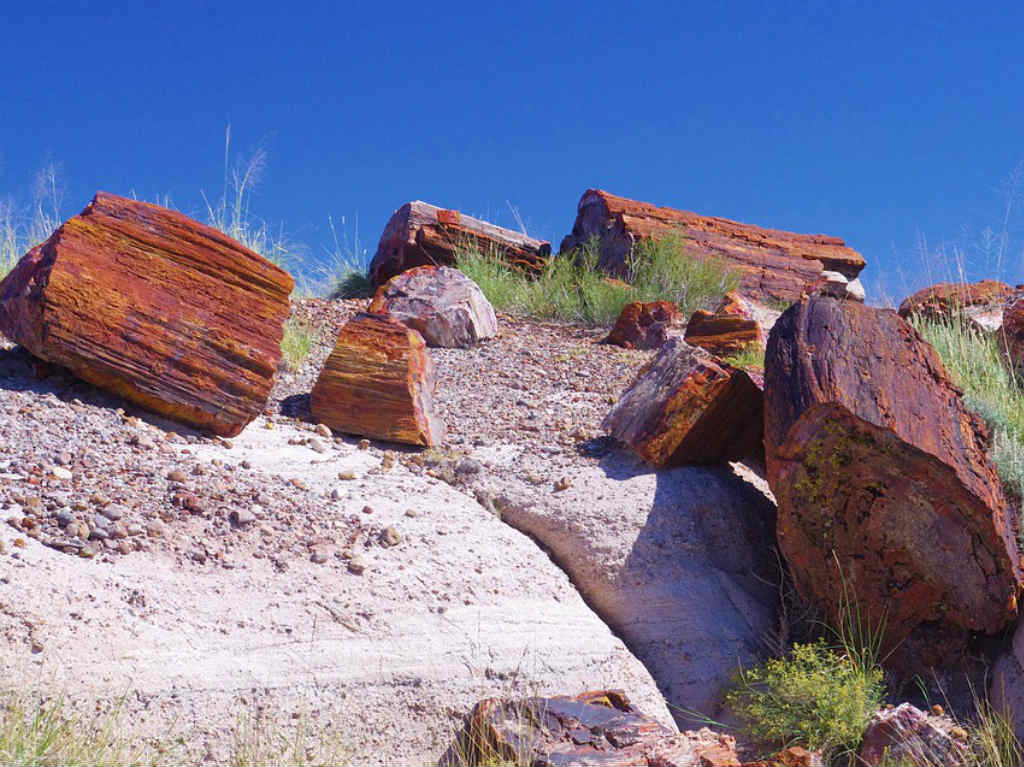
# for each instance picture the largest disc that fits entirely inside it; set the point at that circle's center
(421, 234)
(1007, 690)
(836, 285)
(907, 735)
(1013, 331)
(731, 328)
(687, 407)
(444, 305)
(883, 483)
(378, 383)
(598, 727)
(773, 264)
(155, 307)
(944, 300)
(643, 325)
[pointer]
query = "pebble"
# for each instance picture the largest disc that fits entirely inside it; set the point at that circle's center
(176, 475)
(367, 510)
(317, 446)
(100, 521)
(241, 517)
(364, 444)
(468, 466)
(411, 513)
(154, 528)
(319, 555)
(61, 473)
(324, 431)
(347, 475)
(114, 511)
(356, 565)
(389, 537)
(65, 518)
(563, 484)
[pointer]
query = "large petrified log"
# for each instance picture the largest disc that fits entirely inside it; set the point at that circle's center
(873, 457)
(598, 727)
(687, 407)
(1013, 332)
(731, 328)
(444, 305)
(419, 234)
(153, 306)
(772, 263)
(378, 383)
(979, 301)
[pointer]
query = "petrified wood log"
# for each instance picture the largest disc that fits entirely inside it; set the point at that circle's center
(643, 325)
(729, 329)
(872, 456)
(772, 263)
(444, 305)
(420, 234)
(151, 305)
(596, 728)
(687, 407)
(944, 299)
(378, 383)
(1013, 332)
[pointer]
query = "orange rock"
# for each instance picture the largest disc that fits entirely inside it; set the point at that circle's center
(643, 325)
(378, 383)
(944, 299)
(147, 303)
(772, 263)
(729, 329)
(419, 234)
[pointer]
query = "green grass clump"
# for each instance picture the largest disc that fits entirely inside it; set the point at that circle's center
(977, 365)
(818, 697)
(571, 286)
(751, 355)
(296, 343)
(44, 733)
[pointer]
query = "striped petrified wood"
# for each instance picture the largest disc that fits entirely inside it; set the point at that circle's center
(728, 330)
(378, 383)
(147, 303)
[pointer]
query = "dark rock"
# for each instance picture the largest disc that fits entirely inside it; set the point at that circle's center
(643, 325)
(906, 735)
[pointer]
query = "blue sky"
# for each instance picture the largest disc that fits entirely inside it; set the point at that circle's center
(879, 123)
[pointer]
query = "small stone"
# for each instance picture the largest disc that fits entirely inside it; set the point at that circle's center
(317, 446)
(268, 425)
(81, 532)
(356, 565)
(114, 511)
(319, 555)
(411, 513)
(468, 466)
(98, 520)
(245, 465)
(176, 475)
(79, 505)
(98, 499)
(347, 475)
(367, 510)
(142, 441)
(118, 531)
(389, 537)
(324, 431)
(134, 529)
(958, 733)
(937, 710)
(65, 518)
(20, 543)
(336, 494)
(562, 484)
(99, 534)
(37, 647)
(241, 517)
(154, 528)
(227, 443)
(124, 547)
(364, 444)
(61, 473)
(34, 504)
(298, 484)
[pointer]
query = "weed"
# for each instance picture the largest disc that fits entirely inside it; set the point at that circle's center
(296, 343)
(264, 740)
(751, 355)
(346, 265)
(572, 287)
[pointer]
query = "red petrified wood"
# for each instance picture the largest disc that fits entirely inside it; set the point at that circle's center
(686, 407)
(1013, 331)
(419, 234)
(772, 263)
(378, 383)
(729, 329)
(153, 306)
(944, 299)
(873, 457)
(643, 325)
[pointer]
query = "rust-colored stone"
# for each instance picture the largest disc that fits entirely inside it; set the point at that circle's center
(772, 263)
(419, 234)
(378, 383)
(1012, 335)
(872, 456)
(643, 325)
(155, 307)
(597, 728)
(731, 328)
(907, 735)
(945, 299)
(686, 407)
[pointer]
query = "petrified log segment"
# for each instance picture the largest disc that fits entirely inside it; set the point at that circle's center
(944, 299)
(772, 263)
(872, 455)
(685, 407)
(729, 329)
(907, 735)
(599, 727)
(1013, 331)
(378, 383)
(443, 304)
(643, 325)
(151, 305)
(419, 234)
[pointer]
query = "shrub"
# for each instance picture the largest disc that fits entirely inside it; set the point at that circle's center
(976, 364)
(817, 697)
(751, 355)
(296, 343)
(572, 287)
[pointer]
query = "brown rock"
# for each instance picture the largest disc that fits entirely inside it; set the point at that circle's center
(444, 305)
(378, 383)
(906, 735)
(151, 305)
(420, 234)
(1013, 331)
(772, 263)
(686, 407)
(599, 727)
(945, 299)
(872, 455)
(731, 328)
(643, 325)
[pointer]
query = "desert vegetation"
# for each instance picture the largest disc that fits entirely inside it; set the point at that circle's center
(572, 287)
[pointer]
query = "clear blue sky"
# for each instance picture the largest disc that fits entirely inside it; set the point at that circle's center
(872, 122)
